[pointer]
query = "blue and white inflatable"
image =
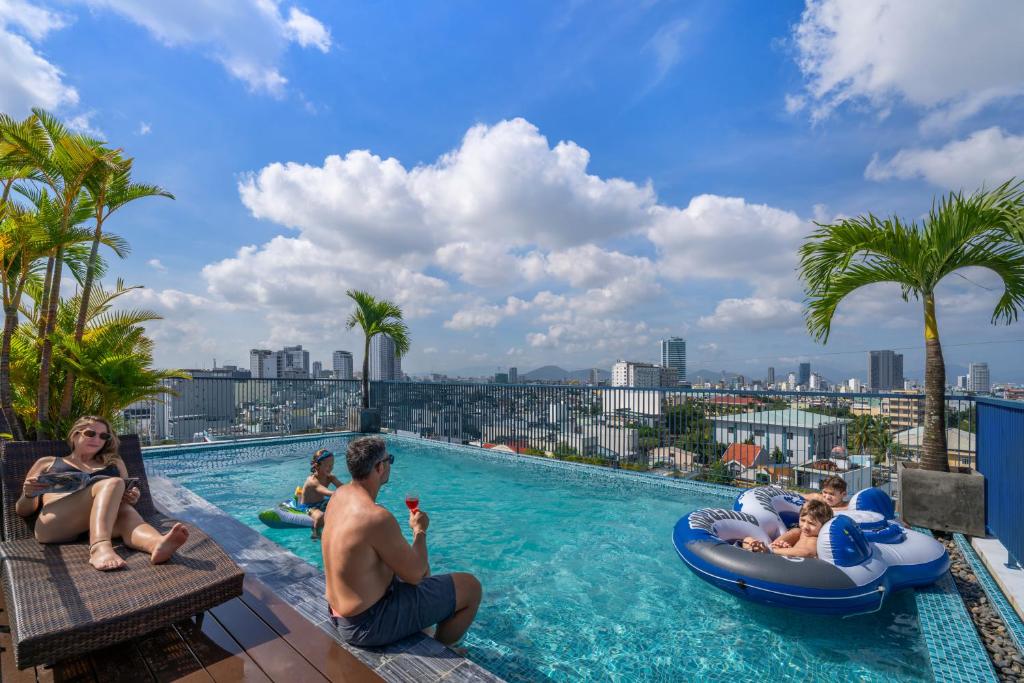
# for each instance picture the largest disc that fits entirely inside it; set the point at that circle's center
(863, 554)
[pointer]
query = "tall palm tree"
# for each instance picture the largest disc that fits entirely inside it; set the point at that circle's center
(959, 232)
(65, 162)
(109, 189)
(376, 316)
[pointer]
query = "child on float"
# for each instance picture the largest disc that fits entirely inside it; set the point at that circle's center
(315, 493)
(832, 492)
(801, 541)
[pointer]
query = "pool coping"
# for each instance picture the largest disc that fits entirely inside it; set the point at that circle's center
(954, 649)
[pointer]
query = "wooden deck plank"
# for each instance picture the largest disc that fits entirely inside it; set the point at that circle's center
(121, 663)
(319, 649)
(8, 670)
(169, 658)
(274, 655)
(77, 670)
(220, 653)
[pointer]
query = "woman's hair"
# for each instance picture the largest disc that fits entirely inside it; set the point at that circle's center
(109, 450)
(817, 510)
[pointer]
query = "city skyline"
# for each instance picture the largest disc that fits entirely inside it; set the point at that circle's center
(614, 175)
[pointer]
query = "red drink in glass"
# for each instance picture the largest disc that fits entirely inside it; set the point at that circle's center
(412, 501)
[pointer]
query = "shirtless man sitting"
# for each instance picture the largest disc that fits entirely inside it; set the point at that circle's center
(379, 586)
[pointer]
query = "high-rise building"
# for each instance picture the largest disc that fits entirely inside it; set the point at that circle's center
(501, 378)
(630, 374)
(318, 369)
(259, 363)
(961, 382)
(771, 377)
(978, 378)
(342, 364)
(804, 378)
(673, 355)
(593, 377)
(292, 361)
(885, 370)
(385, 364)
(513, 375)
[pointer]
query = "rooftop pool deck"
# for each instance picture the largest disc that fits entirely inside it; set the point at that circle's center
(580, 579)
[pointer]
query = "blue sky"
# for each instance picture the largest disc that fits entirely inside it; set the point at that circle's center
(549, 182)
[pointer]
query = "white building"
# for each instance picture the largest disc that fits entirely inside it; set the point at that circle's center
(673, 355)
(978, 379)
(260, 363)
(801, 436)
(854, 385)
(817, 382)
(961, 382)
(631, 374)
(342, 364)
(385, 363)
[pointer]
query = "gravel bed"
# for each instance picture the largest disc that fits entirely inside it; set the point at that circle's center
(1007, 660)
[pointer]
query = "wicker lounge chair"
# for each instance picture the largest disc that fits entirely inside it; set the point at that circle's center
(59, 606)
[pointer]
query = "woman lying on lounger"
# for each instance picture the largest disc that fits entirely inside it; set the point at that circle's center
(103, 507)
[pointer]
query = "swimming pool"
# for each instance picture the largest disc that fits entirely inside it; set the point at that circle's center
(580, 578)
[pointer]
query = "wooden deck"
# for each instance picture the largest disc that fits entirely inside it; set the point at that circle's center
(253, 638)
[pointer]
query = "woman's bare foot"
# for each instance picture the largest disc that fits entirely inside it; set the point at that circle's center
(170, 542)
(103, 557)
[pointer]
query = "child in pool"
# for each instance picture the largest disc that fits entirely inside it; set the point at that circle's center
(315, 493)
(833, 493)
(803, 540)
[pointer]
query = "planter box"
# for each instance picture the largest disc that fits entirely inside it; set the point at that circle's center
(364, 420)
(946, 501)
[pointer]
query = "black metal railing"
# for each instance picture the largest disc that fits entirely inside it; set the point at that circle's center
(746, 437)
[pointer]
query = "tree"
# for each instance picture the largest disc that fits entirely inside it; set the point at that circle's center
(376, 316)
(64, 162)
(777, 456)
(960, 231)
(109, 189)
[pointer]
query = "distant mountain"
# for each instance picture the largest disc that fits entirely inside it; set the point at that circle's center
(553, 373)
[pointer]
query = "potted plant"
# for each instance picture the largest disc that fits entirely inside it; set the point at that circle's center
(960, 231)
(374, 316)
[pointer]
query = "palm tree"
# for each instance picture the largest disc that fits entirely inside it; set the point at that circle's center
(109, 189)
(959, 232)
(376, 316)
(65, 162)
(859, 433)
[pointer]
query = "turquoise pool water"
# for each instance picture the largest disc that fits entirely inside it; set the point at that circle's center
(580, 578)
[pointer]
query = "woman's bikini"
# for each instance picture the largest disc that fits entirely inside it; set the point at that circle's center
(60, 465)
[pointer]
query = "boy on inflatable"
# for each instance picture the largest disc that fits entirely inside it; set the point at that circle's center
(315, 492)
(833, 493)
(801, 541)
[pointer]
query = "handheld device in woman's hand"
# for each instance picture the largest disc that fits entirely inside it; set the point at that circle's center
(131, 483)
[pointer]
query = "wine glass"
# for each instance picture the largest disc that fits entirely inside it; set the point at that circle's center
(412, 501)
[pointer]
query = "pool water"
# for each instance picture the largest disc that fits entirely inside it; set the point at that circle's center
(581, 581)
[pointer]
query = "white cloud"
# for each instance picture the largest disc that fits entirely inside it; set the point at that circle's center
(82, 123)
(156, 265)
(753, 314)
(481, 314)
(667, 45)
(298, 276)
(727, 238)
(989, 157)
(307, 31)
(503, 184)
(248, 37)
(27, 79)
(952, 60)
(144, 128)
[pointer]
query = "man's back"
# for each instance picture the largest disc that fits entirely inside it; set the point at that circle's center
(356, 576)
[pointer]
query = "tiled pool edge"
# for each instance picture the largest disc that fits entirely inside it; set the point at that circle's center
(954, 648)
(1009, 615)
(301, 585)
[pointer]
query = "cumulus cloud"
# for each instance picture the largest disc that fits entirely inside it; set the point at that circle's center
(880, 52)
(82, 123)
(481, 314)
(728, 238)
(504, 183)
(155, 264)
(298, 276)
(247, 37)
(27, 79)
(989, 156)
(753, 314)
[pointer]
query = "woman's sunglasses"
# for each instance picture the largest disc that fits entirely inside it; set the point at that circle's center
(106, 436)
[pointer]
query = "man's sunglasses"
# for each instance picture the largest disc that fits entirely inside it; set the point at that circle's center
(106, 436)
(390, 457)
